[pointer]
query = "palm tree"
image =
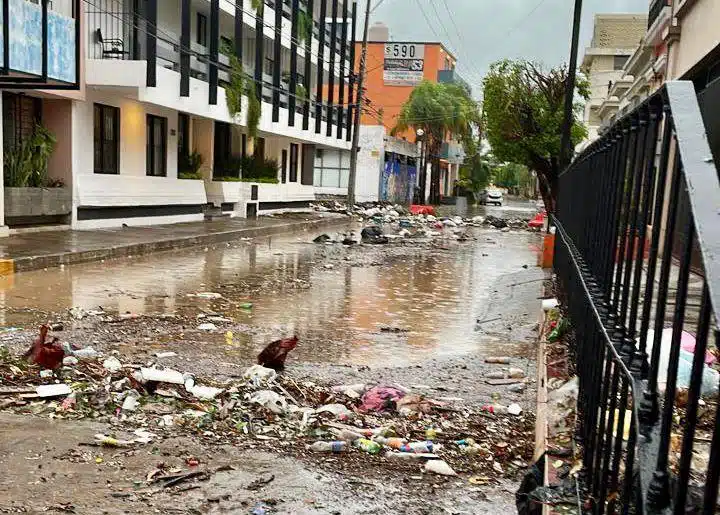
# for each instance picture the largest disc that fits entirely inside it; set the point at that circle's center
(441, 111)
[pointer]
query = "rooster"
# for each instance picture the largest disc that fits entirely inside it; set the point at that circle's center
(47, 354)
(275, 354)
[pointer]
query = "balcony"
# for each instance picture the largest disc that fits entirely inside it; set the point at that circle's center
(452, 152)
(656, 7)
(452, 77)
(42, 45)
(658, 18)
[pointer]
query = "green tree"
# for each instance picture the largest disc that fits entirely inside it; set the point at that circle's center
(440, 110)
(475, 174)
(523, 118)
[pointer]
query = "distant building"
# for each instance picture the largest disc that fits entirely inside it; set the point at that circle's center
(615, 39)
(394, 68)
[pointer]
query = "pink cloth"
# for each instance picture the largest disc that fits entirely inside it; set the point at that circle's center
(381, 398)
(687, 343)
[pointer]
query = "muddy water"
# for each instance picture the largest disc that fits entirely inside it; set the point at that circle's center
(336, 299)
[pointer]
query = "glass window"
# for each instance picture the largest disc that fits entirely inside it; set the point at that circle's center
(106, 140)
(294, 151)
(156, 150)
(201, 29)
(619, 61)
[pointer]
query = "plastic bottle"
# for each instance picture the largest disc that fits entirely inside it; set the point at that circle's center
(368, 446)
(329, 447)
(393, 443)
(346, 435)
(495, 408)
(417, 447)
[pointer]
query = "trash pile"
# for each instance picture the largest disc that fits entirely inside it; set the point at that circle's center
(394, 224)
(385, 425)
(381, 213)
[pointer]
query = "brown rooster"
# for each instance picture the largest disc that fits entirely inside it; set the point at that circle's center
(275, 354)
(46, 354)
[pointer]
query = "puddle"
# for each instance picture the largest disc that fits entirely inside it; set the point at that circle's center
(434, 296)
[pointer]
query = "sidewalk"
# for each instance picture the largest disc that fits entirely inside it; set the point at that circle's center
(32, 251)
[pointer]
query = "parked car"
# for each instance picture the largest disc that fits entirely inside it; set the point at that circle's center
(491, 197)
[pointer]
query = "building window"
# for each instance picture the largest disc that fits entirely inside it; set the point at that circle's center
(224, 165)
(283, 165)
(183, 135)
(619, 62)
(201, 29)
(332, 168)
(243, 146)
(20, 115)
(293, 162)
(156, 151)
(259, 147)
(106, 139)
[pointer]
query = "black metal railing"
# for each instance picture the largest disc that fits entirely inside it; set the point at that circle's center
(638, 255)
(656, 8)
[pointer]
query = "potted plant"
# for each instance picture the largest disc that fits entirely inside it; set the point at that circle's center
(29, 191)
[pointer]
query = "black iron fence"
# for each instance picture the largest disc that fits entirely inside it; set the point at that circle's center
(638, 254)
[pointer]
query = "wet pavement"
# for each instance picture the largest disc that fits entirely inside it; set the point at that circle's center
(31, 250)
(338, 300)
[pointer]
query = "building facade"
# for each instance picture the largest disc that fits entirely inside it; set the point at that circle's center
(148, 137)
(394, 68)
(615, 38)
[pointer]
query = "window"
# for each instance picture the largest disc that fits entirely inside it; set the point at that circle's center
(106, 139)
(293, 162)
(201, 29)
(259, 147)
(269, 65)
(183, 135)
(222, 150)
(332, 168)
(243, 145)
(283, 169)
(156, 150)
(619, 61)
(20, 114)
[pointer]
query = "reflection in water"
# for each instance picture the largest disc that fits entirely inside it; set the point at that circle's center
(435, 295)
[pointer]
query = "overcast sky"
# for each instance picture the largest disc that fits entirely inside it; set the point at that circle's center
(494, 29)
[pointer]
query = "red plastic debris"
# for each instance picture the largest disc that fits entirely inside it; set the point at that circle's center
(275, 354)
(538, 221)
(417, 209)
(46, 354)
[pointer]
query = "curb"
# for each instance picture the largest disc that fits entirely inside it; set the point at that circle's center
(25, 264)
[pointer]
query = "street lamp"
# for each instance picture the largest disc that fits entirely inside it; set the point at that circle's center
(420, 133)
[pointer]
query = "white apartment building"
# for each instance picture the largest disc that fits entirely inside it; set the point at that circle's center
(148, 104)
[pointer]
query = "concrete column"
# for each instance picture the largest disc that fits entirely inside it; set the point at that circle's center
(4, 231)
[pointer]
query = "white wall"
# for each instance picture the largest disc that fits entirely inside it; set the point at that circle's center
(699, 35)
(131, 187)
(370, 162)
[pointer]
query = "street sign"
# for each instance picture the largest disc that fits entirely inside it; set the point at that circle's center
(404, 64)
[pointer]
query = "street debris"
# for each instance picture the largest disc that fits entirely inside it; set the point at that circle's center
(275, 354)
(390, 424)
(47, 354)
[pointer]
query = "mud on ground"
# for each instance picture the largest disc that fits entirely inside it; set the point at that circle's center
(50, 468)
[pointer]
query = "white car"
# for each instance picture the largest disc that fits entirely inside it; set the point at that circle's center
(491, 197)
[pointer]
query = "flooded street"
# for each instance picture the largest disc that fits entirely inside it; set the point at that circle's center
(423, 314)
(335, 298)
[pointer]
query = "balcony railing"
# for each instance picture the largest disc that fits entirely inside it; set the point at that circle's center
(638, 256)
(656, 8)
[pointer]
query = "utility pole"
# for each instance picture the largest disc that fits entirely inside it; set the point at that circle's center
(566, 150)
(358, 110)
